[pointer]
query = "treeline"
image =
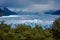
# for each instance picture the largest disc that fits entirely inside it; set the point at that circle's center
(25, 32)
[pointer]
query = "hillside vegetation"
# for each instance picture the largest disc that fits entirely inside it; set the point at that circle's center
(25, 32)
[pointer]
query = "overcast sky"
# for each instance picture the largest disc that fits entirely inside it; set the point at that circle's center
(31, 5)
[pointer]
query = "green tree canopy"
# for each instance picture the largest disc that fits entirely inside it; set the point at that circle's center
(56, 29)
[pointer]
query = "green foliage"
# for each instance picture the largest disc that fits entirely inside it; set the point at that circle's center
(56, 29)
(48, 34)
(25, 32)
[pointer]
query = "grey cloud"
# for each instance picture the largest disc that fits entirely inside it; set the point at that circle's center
(46, 1)
(15, 3)
(26, 3)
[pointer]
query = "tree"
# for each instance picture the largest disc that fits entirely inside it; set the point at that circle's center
(48, 34)
(4, 27)
(56, 29)
(23, 32)
(38, 33)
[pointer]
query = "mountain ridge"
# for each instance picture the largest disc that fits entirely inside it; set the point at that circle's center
(57, 12)
(6, 12)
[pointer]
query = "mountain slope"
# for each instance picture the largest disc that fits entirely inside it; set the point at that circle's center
(53, 12)
(6, 12)
(56, 12)
(1, 12)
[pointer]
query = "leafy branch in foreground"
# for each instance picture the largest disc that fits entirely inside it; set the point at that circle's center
(26, 32)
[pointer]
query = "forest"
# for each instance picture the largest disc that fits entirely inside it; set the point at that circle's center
(26, 32)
